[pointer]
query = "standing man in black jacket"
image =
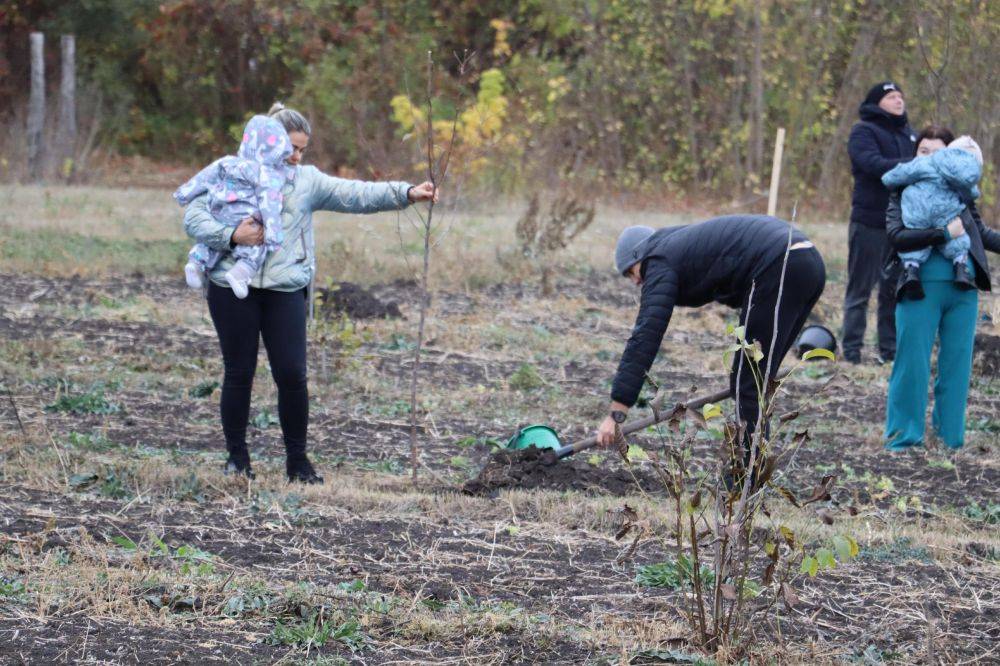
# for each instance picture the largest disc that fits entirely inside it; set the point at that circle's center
(719, 260)
(880, 141)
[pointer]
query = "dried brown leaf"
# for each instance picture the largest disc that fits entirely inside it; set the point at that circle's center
(789, 416)
(788, 594)
(630, 551)
(622, 447)
(769, 573)
(800, 438)
(767, 471)
(788, 495)
(822, 491)
(697, 417)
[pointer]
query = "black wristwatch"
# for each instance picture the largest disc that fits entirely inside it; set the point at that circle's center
(618, 416)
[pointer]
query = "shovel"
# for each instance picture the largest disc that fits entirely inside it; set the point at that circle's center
(544, 437)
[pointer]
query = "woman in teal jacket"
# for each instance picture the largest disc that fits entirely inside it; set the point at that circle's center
(276, 307)
(946, 312)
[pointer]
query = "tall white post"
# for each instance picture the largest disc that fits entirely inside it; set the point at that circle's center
(779, 146)
(67, 108)
(36, 108)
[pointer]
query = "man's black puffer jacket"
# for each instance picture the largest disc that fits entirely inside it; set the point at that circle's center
(877, 143)
(716, 260)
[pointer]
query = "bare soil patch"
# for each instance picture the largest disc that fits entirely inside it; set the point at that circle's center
(356, 302)
(536, 468)
(501, 557)
(987, 354)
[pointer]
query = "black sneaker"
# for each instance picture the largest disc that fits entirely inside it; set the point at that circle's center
(853, 359)
(911, 288)
(963, 279)
(884, 358)
(239, 464)
(300, 470)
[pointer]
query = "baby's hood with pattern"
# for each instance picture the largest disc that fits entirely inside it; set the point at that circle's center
(265, 141)
(260, 160)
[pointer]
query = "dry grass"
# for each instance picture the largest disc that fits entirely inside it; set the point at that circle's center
(528, 575)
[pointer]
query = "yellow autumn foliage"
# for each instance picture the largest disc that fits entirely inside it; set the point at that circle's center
(479, 130)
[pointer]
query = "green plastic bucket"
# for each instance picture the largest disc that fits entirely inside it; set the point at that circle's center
(539, 436)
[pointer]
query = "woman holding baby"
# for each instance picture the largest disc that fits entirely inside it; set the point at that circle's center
(945, 266)
(269, 300)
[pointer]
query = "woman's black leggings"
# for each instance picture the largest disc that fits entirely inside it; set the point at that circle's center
(805, 277)
(280, 318)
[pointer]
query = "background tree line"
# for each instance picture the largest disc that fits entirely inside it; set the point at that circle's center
(668, 98)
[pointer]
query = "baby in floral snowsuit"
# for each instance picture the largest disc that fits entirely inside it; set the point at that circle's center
(246, 185)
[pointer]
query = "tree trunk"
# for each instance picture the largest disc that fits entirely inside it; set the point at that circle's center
(66, 141)
(756, 160)
(736, 118)
(36, 108)
(690, 121)
(846, 98)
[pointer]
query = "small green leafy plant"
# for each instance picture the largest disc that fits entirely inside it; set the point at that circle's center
(264, 419)
(204, 389)
(316, 630)
(12, 589)
(526, 378)
(192, 561)
(91, 401)
(671, 575)
(988, 513)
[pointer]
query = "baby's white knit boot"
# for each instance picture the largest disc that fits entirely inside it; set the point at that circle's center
(192, 274)
(239, 277)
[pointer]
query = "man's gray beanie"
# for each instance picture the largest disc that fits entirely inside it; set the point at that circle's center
(629, 243)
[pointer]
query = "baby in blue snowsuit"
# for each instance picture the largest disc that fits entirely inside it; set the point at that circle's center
(937, 187)
(246, 185)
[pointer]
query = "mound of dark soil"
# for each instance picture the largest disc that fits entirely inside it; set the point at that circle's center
(987, 357)
(356, 302)
(535, 468)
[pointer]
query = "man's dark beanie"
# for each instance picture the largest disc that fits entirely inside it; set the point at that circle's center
(880, 90)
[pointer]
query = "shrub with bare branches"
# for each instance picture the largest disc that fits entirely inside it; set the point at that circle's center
(542, 236)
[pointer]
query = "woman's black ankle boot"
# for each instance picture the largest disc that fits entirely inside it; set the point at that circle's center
(238, 463)
(300, 470)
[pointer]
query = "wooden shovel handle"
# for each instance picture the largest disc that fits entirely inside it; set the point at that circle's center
(645, 422)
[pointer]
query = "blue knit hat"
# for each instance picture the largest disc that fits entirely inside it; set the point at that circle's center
(629, 243)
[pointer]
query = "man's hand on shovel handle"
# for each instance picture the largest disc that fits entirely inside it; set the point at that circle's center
(610, 432)
(607, 432)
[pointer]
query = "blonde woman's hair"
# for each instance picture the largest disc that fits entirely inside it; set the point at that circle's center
(291, 120)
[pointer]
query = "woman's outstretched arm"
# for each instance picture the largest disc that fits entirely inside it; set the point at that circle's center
(355, 196)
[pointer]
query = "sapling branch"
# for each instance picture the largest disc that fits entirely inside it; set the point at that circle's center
(436, 171)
